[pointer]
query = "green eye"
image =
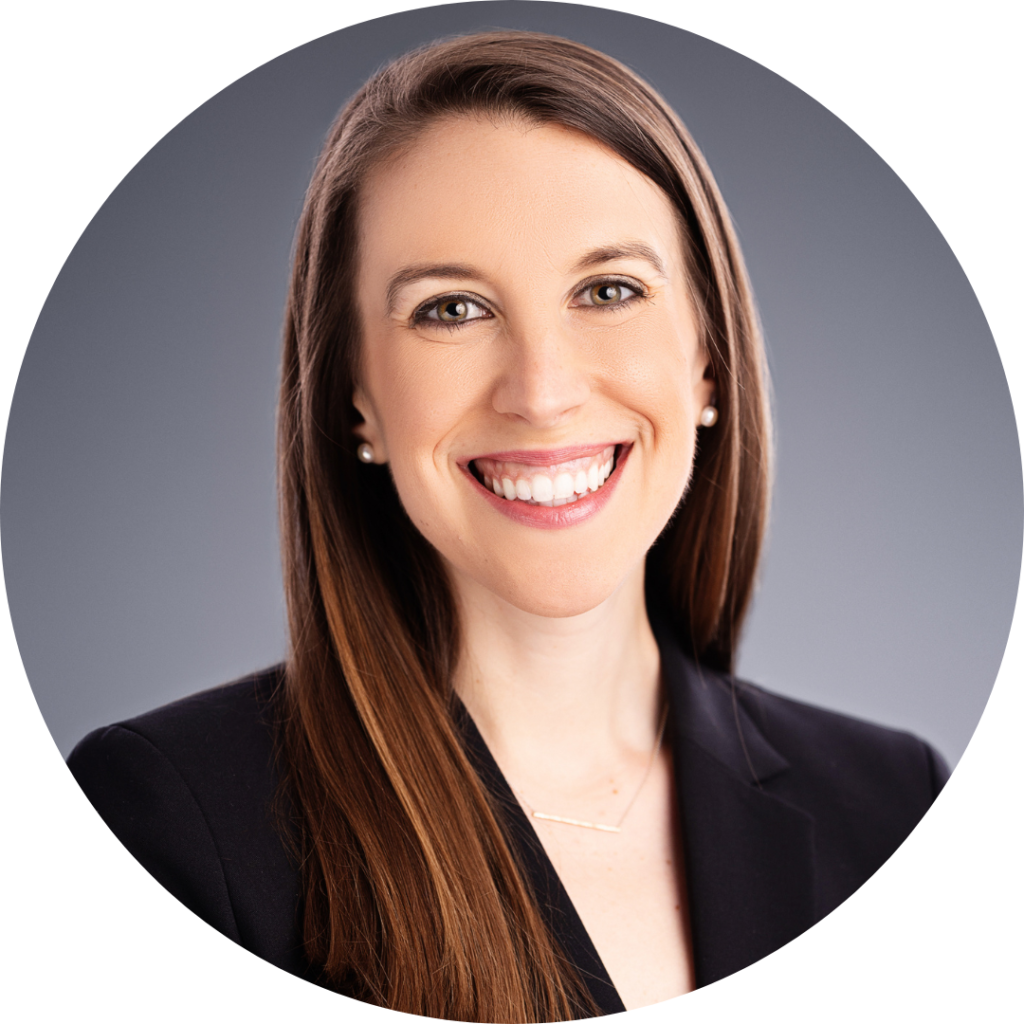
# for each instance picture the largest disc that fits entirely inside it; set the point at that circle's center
(606, 294)
(452, 311)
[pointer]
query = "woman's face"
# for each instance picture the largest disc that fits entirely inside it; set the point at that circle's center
(531, 367)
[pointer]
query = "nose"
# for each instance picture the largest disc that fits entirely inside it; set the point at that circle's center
(545, 378)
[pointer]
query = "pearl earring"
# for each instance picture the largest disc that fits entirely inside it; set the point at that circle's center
(365, 452)
(708, 416)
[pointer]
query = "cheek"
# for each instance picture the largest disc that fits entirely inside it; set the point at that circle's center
(416, 395)
(655, 378)
(424, 394)
(651, 369)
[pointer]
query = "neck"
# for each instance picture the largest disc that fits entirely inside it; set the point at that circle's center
(576, 690)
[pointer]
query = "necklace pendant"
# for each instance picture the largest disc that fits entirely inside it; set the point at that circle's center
(616, 829)
(574, 821)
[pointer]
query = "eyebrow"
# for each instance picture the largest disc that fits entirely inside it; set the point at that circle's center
(625, 251)
(593, 258)
(420, 271)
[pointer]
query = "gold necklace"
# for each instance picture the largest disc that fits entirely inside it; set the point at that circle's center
(562, 820)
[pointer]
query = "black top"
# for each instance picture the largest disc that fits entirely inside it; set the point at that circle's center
(786, 810)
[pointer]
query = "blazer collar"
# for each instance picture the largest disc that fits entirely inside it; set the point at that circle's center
(749, 855)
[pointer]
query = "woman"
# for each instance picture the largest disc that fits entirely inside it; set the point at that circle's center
(506, 774)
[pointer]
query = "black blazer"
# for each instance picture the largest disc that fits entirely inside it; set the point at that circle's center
(786, 809)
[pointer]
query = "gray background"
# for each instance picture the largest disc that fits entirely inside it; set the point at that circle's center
(138, 509)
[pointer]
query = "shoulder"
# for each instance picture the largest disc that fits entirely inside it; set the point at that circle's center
(865, 786)
(847, 751)
(201, 732)
(191, 789)
(765, 738)
(216, 746)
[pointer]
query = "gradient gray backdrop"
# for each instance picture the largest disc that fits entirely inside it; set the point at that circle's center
(138, 506)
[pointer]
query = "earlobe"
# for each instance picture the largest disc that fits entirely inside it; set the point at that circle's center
(707, 400)
(368, 432)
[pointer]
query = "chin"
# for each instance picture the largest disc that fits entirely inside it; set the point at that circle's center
(556, 595)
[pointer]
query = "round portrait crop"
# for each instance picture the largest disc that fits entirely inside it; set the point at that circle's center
(506, 770)
(520, 348)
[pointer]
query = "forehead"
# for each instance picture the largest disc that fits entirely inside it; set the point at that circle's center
(473, 187)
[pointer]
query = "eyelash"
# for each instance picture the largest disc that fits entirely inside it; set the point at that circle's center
(420, 316)
(628, 282)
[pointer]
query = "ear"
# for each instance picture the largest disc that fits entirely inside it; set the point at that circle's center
(703, 388)
(369, 430)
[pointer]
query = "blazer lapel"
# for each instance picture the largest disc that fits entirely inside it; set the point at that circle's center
(552, 900)
(749, 855)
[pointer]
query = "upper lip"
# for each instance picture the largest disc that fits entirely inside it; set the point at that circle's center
(544, 456)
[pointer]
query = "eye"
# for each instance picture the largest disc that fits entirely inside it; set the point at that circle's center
(608, 293)
(452, 310)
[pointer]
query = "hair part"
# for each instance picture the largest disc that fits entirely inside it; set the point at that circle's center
(412, 896)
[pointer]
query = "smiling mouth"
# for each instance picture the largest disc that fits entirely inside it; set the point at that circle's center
(560, 483)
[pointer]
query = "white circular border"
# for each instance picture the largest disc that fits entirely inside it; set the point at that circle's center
(935, 89)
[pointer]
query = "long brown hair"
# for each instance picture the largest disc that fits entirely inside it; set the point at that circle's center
(412, 897)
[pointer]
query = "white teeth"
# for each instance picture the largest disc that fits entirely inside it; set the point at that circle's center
(564, 485)
(553, 486)
(542, 487)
